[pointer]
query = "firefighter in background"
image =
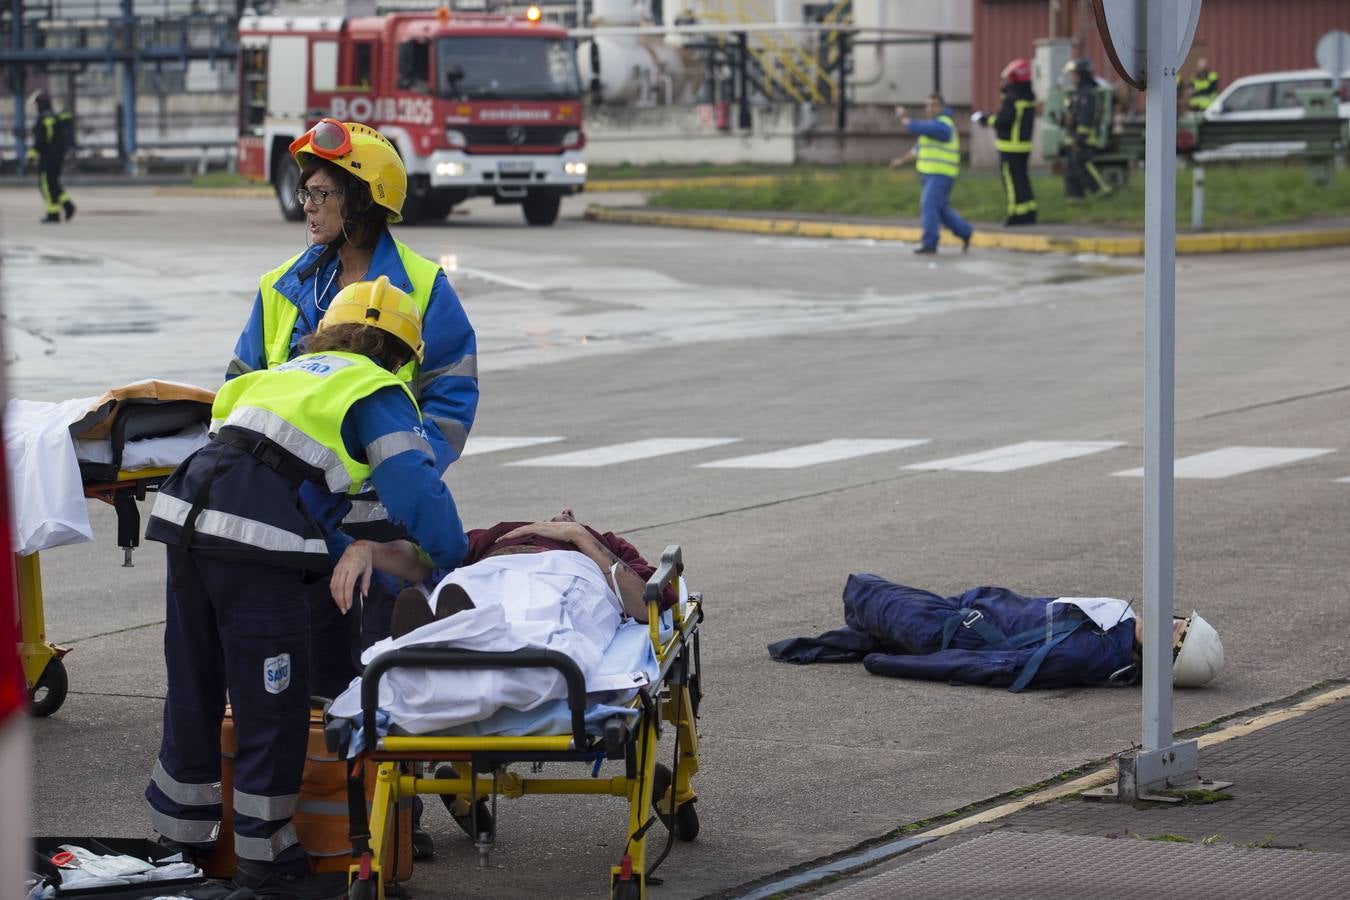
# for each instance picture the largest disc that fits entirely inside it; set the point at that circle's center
(937, 158)
(241, 546)
(1082, 130)
(50, 143)
(352, 187)
(1013, 123)
(1204, 86)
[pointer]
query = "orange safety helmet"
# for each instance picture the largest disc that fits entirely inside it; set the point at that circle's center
(1017, 72)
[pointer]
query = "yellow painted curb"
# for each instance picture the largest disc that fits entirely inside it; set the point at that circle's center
(1108, 774)
(1027, 242)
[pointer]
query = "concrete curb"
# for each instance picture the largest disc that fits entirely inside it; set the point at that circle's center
(1026, 242)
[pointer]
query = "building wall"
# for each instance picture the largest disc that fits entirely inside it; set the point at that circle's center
(1240, 37)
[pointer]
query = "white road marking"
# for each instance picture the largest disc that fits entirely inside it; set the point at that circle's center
(1228, 461)
(476, 446)
(450, 263)
(1018, 456)
(626, 452)
(813, 454)
(1343, 480)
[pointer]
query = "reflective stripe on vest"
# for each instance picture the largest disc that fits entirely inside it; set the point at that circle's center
(280, 314)
(300, 406)
(940, 157)
(1014, 143)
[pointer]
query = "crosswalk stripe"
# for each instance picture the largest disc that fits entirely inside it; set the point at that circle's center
(812, 454)
(626, 452)
(476, 446)
(1017, 456)
(1343, 480)
(1228, 461)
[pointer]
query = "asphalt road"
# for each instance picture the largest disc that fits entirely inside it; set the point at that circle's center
(601, 335)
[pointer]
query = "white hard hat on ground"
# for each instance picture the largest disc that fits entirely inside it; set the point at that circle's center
(1199, 654)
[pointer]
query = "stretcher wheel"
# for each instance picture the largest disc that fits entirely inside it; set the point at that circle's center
(49, 693)
(362, 890)
(685, 821)
(626, 890)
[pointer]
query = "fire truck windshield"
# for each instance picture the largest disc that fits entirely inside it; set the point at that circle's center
(482, 68)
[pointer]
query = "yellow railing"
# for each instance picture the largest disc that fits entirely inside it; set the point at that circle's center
(786, 59)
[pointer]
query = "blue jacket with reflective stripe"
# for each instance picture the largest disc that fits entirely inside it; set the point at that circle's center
(242, 489)
(447, 380)
(898, 631)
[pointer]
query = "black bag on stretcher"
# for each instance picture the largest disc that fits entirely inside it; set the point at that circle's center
(321, 820)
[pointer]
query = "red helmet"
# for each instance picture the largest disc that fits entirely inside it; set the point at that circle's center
(1017, 72)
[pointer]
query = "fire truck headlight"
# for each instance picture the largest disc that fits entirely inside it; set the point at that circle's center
(450, 169)
(455, 138)
(571, 138)
(574, 168)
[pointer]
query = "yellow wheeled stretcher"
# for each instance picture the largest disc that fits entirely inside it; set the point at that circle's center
(43, 669)
(474, 770)
(140, 412)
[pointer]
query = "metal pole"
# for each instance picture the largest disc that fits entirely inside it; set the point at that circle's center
(937, 65)
(129, 88)
(1160, 155)
(841, 84)
(1197, 197)
(742, 80)
(16, 82)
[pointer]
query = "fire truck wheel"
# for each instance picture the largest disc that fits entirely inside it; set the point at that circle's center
(541, 209)
(286, 178)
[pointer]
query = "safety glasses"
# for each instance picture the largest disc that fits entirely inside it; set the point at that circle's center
(328, 139)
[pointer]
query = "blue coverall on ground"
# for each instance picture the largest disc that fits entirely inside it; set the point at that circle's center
(242, 547)
(906, 632)
(935, 200)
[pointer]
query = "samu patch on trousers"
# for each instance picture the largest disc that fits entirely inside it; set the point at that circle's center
(277, 673)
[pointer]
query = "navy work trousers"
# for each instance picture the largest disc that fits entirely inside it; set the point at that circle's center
(241, 627)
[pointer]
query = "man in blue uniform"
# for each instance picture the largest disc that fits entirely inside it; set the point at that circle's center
(242, 546)
(992, 636)
(937, 159)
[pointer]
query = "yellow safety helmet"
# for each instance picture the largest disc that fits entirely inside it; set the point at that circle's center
(363, 152)
(382, 305)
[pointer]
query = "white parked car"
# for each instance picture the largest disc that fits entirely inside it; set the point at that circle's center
(1270, 97)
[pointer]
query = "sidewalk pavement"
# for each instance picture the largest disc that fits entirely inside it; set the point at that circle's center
(1028, 239)
(1282, 831)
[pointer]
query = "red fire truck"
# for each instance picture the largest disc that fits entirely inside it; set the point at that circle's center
(477, 105)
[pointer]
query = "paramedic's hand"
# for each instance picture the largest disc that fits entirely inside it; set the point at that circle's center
(352, 572)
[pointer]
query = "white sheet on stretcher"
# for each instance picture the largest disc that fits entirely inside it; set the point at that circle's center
(46, 491)
(556, 600)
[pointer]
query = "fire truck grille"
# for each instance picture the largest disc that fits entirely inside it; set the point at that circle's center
(516, 135)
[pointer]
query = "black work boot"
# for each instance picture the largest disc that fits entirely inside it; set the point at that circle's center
(268, 883)
(51, 217)
(70, 210)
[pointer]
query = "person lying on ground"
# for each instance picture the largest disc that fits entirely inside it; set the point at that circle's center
(993, 636)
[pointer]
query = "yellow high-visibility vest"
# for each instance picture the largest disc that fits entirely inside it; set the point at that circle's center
(940, 157)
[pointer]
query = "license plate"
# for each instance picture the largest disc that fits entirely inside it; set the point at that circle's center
(515, 165)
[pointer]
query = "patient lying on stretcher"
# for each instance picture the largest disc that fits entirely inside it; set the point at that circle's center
(557, 585)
